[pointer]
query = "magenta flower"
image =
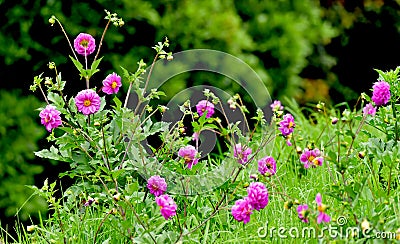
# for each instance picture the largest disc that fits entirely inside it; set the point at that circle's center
(196, 136)
(286, 125)
(276, 106)
(50, 118)
(322, 216)
(84, 44)
(203, 106)
(242, 210)
(302, 211)
(87, 102)
(369, 109)
(240, 154)
(267, 166)
(311, 158)
(380, 93)
(111, 83)
(188, 153)
(167, 205)
(156, 185)
(257, 195)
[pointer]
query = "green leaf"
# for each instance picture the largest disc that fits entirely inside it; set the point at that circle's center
(52, 154)
(93, 68)
(56, 99)
(78, 65)
(118, 103)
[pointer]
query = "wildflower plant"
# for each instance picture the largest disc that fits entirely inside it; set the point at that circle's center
(171, 189)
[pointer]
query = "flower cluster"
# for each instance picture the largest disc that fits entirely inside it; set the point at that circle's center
(158, 187)
(380, 93)
(257, 199)
(286, 125)
(322, 216)
(276, 106)
(111, 84)
(189, 153)
(267, 166)
(311, 158)
(167, 206)
(241, 153)
(50, 117)
(84, 44)
(303, 211)
(87, 101)
(205, 107)
(369, 109)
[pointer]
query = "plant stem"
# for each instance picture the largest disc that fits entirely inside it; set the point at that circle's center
(101, 224)
(396, 130)
(101, 40)
(66, 36)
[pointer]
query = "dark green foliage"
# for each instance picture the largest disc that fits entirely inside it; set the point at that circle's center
(19, 133)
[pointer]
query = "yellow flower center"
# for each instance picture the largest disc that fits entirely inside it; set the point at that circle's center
(315, 161)
(187, 159)
(322, 207)
(290, 124)
(311, 158)
(113, 84)
(84, 43)
(87, 103)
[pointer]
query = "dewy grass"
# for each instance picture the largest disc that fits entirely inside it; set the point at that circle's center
(339, 164)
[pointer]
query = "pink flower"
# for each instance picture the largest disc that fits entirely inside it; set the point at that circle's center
(50, 117)
(242, 210)
(203, 106)
(276, 106)
(196, 136)
(369, 109)
(240, 154)
(267, 165)
(156, 185)
(257, 195)
(111, 83)
(84, 44)
(302, 211)
(167, 206)
(87, 102)
(286, 125)
(311, 158)
(322, 216)
(188, 153)
(380, 93)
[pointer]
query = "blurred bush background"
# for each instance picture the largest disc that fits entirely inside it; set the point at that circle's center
(310, 50)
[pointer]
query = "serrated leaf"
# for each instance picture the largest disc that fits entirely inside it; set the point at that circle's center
(56, 99)
(52, 154)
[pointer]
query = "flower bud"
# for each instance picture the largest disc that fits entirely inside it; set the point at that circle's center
(117, 197)
(361, 154)
(170, 57)
(51, 65)
(365, 225)
(334, 120)
(288, 205)
(52, 20)
(30, 228)
(121, 23)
